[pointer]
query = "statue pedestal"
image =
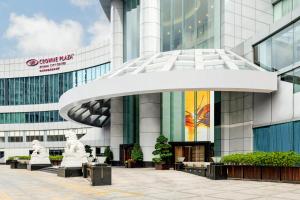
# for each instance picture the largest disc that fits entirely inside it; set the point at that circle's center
(33, 167)
(69, 172)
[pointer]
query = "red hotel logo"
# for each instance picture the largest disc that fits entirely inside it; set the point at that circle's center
(32, 62)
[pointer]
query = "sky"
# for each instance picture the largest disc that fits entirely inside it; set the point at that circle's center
(40, 27)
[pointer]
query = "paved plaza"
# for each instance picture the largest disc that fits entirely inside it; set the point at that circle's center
(18, 184)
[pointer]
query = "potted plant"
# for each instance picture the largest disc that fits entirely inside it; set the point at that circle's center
(162, 153)
(56, 160)
(130, 163)
(137, 155)
(109, 155)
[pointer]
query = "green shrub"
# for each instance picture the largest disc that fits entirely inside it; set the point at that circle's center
(19, 158)
(279, 159)
(162, 150)
(136, 153)
(58, 157)
(109, 155)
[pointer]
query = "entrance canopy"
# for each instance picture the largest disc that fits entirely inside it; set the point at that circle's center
(196, 69)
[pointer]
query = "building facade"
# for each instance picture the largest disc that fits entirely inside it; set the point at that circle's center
(215, 77)
(29, 91)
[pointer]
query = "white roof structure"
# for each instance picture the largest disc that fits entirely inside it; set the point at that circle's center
(179, 70)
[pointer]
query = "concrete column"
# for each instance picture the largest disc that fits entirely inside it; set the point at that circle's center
(149, 27)
(149, 123)
(117, 33)
(116, 126)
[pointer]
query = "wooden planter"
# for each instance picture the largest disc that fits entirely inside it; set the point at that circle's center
(290, 174)
(271, 173)
(160, 166)
(235, 172)
(264, 173)
(55, 162)
(252, 172)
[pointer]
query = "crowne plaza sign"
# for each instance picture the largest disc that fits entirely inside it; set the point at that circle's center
(50, 64)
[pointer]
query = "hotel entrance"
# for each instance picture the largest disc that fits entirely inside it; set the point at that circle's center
(192, 151)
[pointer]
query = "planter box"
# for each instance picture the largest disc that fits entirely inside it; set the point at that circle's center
(289, 174)
(55, 162)
(217, 171)
(162, 167)
(271, 173)
(235, 172)
(284, 174)
(252, 172)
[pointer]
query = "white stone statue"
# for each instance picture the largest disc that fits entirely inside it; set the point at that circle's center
(74, 154)
(40, 155)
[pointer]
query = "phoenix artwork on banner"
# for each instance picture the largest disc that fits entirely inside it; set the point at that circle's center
(197, 115)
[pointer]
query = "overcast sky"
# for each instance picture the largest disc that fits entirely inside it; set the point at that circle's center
(37, 27)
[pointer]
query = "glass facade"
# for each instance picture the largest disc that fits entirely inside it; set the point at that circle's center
(131, 29)
(131, 49)
(283, 7)
(131, 119)
(280, 50)
(30, 117)
(294, 78)
(186, 116)
(45, 89)
(190, 24)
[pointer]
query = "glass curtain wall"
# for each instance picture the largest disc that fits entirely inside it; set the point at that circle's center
(186, 116)
(131, 50)
(30, 117)
(131, 29)
(189, 24)
(45, 89)
(280, 50)
(283, 7)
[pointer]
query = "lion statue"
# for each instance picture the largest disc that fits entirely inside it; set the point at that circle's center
(39, 155)
(74, 155)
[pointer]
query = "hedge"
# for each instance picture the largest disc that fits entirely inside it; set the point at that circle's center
(28, 158)
(279, 159)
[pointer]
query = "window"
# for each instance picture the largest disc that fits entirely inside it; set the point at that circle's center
(282, 47)
(34, 137)
(189, 24)
(15, 139)
(44, 89)
(277, 11)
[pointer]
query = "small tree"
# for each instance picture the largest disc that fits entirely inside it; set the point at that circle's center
(162, 150)
(88, 149)
(136, 153)
(109, 155)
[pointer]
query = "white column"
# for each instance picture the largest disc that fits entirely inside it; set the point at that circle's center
(149, 103)
(149, 123)
(149, 27)
(116, 118)
(116, 126)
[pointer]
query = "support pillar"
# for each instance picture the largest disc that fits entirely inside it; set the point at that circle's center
(149, 123)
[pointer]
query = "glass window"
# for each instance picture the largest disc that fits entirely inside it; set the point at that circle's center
(177, 25)
(282, 48)
(297, 41)
(286, 7)
(166, 25)
(263, 54)
(277, 11)
(131, 29)
(297, 80)
(189, 34)
(296, 3)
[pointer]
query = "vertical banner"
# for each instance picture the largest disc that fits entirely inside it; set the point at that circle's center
(197, 115)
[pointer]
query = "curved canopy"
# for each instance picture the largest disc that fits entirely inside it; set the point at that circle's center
(197, 69)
